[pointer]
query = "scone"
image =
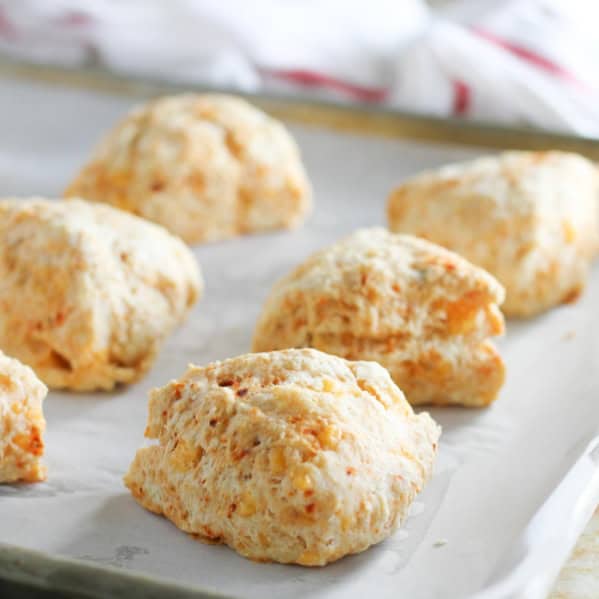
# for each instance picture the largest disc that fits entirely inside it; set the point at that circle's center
(89, 292)
(21, 423)
(293, 456)
(424, 313)
(529, 218)
(206, 167)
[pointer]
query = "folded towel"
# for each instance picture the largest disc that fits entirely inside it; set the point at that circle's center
(516, 61)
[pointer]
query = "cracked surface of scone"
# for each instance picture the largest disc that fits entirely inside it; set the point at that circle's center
(89, 292)
(22, 423)
(529, 218)
(206, 167)
(294, 456)
(424, 313)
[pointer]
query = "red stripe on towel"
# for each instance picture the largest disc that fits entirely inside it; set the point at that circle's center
(461, 97)
(530, 56)
(312, 79)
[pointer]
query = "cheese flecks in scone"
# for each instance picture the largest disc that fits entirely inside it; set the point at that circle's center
(529, 218)
(22, 423)
(206, 167)
(424, 313)
(293, 456)
(89, 292)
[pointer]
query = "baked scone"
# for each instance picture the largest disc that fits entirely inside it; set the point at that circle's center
(21, 423)
(424, 313)
(89, 292)
(529, 218)
(206, 167)
(293, 456)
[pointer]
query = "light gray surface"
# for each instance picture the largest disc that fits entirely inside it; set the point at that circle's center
(496, 466)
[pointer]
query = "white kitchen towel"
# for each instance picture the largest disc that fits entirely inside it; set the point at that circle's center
(514, 61)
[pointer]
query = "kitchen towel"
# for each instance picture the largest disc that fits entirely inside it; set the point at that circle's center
(514, 61)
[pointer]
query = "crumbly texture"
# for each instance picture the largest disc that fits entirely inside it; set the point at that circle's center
(89, 292)
(206, 167)
(529, 218)
(22, 423)
(293, 456)
(424, 313)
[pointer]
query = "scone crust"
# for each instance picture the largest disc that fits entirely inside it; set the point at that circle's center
(22, 423)
(89, 292)
(421, 311)
(529, 218)
(204, 166)
(293, 456)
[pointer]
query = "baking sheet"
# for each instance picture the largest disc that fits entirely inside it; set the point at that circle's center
(513, 485)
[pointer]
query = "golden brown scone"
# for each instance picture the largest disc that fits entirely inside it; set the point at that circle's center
(89, 292)
(529, 218)
(293, 456)
(206, 167)
(21, 423)
(424, 313)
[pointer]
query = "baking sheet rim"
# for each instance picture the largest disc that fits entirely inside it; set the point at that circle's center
(366, 119)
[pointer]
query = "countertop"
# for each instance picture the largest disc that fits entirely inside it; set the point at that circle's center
(579, 578)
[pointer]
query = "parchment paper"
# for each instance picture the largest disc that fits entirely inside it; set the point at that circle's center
(496, 466)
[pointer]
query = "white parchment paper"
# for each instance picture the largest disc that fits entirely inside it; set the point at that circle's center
(496, 466)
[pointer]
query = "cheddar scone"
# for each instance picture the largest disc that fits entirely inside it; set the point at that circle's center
(529, 218)
(206, 167)
(424, 313)
(22, 423)
(293, 456)
(89, 292)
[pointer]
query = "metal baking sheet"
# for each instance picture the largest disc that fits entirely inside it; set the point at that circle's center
(513, 486)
